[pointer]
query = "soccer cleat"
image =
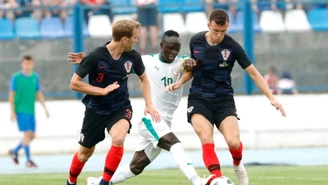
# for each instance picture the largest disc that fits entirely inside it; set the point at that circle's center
(208, 180)
(14, 156)
(93, 181)
(31, 164)
(241, 173)
(68, 183)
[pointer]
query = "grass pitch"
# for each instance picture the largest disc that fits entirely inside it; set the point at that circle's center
(259, 175)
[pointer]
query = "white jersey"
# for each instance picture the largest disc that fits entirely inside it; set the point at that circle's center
(160, 75)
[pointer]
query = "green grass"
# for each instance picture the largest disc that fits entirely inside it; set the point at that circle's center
(259, 175)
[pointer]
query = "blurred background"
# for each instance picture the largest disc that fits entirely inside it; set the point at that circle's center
(286, 39)
(288, 36)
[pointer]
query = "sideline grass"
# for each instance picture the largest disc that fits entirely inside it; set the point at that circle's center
(259, 175)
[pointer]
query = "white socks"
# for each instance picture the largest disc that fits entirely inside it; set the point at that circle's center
(121, 174)
(184, 163)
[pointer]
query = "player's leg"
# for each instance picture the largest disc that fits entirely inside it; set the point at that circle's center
(29, 135)
(161, 135)
(117, 126)
(144, 154)
(227, 117)
(21, 122)
(200, 115)
(92, 132)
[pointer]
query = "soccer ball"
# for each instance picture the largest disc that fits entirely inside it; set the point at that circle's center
(222, 181)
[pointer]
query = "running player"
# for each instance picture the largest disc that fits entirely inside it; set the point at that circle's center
(211, 102)
(163, 69)
(107, 99)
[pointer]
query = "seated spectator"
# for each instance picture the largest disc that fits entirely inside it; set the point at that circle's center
(286, 84)
(96, 11)
(61, 13)
(7, 4)
(30, 4)
(271, 79)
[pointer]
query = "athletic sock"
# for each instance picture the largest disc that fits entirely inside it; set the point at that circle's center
(211, 160)
(113, 159)
(121, 174)
(237, 154)
(75, 169)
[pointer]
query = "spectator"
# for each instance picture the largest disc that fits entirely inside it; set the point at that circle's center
(61, 13)
(286, 84)
(96, 10)
(271, 79)
(7, 4)
(30, 4)
(147, 16)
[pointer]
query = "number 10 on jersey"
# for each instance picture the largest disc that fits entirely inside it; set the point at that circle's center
(167, 81)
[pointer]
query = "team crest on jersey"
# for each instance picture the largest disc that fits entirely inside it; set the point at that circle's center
(223, 64)
(175, 71)
(225, 54)
(128, 66)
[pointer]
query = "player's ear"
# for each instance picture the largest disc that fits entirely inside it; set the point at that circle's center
(161, 44)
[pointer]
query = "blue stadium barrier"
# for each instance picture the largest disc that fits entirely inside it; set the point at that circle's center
(7, 29)
(27, 28)
(318, 19)
(69, 27)
(51, 28)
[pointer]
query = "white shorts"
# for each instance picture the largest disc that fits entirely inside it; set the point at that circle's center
(151, 132)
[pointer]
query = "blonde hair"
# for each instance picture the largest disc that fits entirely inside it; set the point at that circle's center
(124, 28)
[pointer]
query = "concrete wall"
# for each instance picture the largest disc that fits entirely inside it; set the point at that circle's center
(261, 125)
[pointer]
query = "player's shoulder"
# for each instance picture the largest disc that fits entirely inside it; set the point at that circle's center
(16, 74)
(198, 37)
(132, 53)
(229, 41)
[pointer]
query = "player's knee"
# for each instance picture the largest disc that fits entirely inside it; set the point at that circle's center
(167, 141)
(84, 156)
(233, 143)
(118, 140)
(136, 168)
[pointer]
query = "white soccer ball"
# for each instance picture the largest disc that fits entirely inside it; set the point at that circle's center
(222, 181)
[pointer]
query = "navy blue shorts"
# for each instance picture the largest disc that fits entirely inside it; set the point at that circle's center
(94, 125)
(26, 122)
(215, 110)
(147, 16)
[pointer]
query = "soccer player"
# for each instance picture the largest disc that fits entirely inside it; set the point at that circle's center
(210, 101)
(163, 69)
(24, 88)
(107, 99)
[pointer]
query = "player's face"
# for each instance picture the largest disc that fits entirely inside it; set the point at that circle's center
(27, 65)
(128, 43)
(217, 32)
(170, 48)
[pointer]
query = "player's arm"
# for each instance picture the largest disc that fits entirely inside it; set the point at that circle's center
(139, 69)
(186, 76)
(255, 75)
(75, 58)
(77, 83)
(11, 98)
(40, 96)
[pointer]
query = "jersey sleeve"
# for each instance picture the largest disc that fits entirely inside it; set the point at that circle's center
(12, 84)
(86, 65)
(241, 56)
(38, 83)
(191, 46)
(139, 67)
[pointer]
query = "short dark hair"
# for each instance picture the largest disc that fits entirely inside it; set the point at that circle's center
(219, 16)
(27, 57)
(170, 33)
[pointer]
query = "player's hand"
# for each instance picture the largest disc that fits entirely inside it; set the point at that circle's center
(173, 87)
(75, 58)
(110, 88)
(188, 64)
(47, 113)
(12, 116)
(150, 109)
(279, 107)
